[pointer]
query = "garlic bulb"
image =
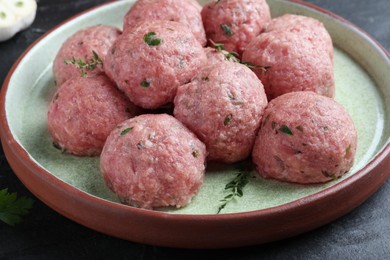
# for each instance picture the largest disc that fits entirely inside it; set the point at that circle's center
(15, 15)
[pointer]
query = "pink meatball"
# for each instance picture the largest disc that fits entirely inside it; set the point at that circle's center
(287, 62)
(84, 111)
(309, 28)
(153, 161)
(81, 46)
(235, 22)
(149, 62)
(223, 106)
(186, 12)
(305, 138)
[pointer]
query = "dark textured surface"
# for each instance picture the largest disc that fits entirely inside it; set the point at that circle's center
(362, 234)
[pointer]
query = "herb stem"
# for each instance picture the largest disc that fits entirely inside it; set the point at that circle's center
(236, 186)
(86, 65)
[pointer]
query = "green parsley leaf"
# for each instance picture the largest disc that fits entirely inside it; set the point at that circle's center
(126, 131)
(227, 30)
(285, 129)
(151, 39)
(12, 208)
(145, 83)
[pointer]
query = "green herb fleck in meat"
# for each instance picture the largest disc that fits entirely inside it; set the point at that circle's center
(329, 175)
(347, 151)
(126, 131)
(151, 39)
(228, 119)
(227, 30)
(286, 130)
(145, 83)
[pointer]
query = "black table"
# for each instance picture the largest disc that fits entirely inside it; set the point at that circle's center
(44, 234)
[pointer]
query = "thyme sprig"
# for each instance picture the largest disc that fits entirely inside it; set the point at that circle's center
(86, 65)
(233, 56)
(235, 187)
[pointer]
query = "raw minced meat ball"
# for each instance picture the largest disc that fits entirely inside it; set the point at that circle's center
(83, 112)
(153, 161)
(286, 62)
(235, 23)
(186, 12)
(81, 45)
(305, 138)
(309, 28)
(223, 106)
(149, 62)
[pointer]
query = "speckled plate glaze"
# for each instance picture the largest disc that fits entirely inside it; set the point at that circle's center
(269, 209)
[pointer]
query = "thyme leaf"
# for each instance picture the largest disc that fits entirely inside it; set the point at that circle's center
(227, 30)
(235, 187)
(234, 56)
(285, 129)
(86, 65)
(126, 131)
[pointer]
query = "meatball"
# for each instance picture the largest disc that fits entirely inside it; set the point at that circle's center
(149, 62)
(235, 23)
(81, 45)
(84, 111)
(286, 62)
(305, 138)
(153, 161)
(186, 12)
(223, 106)
(309, 28)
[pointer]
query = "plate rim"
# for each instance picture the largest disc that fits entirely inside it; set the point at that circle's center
(22, 163)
